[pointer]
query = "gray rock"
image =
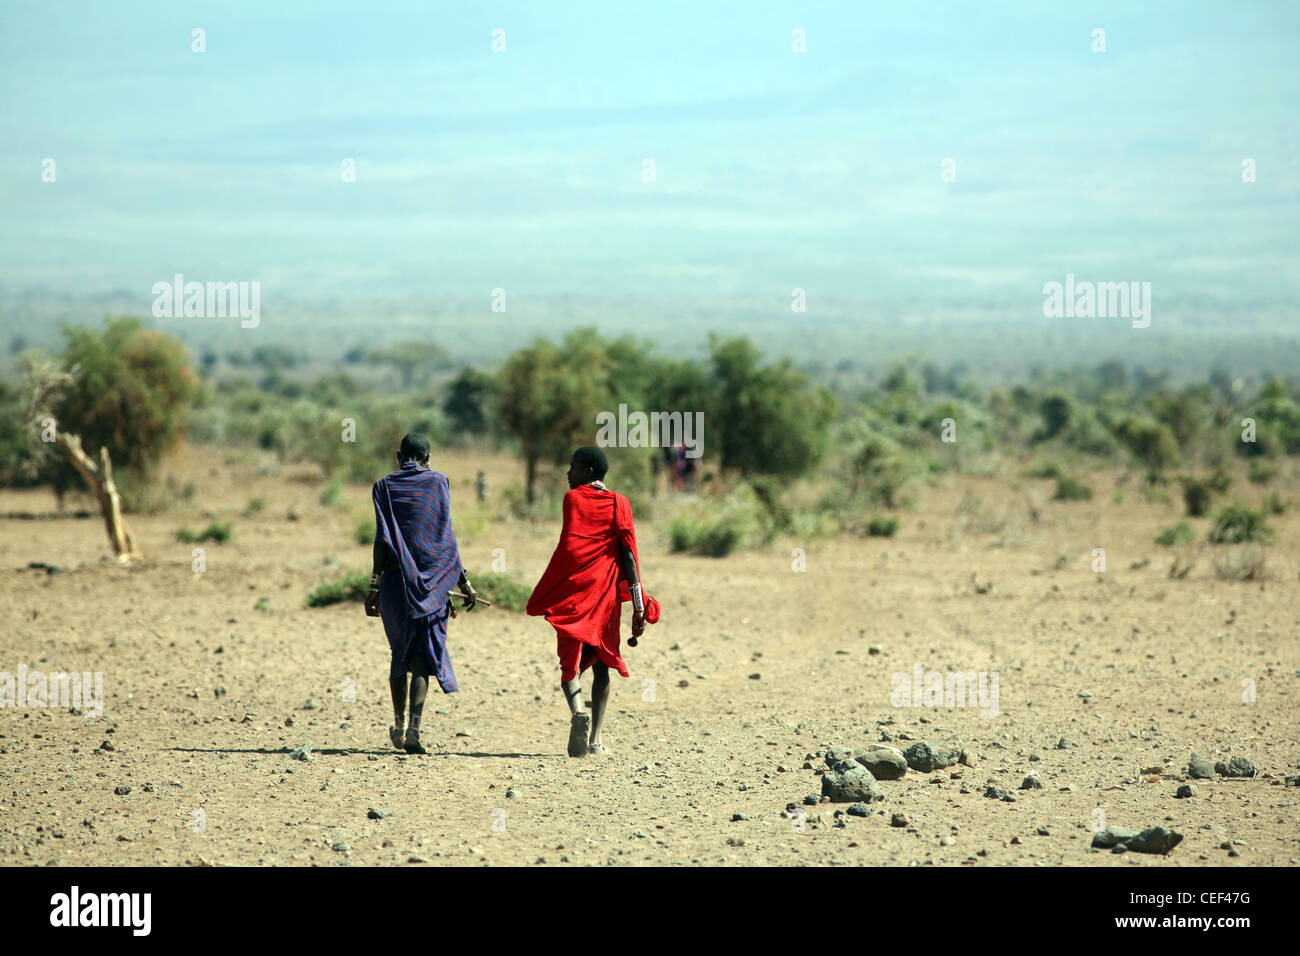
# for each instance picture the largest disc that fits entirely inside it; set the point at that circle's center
(341, 847)
(1150, 840)
(738, 817)
(923, 758)
(1155, 840)
(374, 813)
(851, 783)
(812, 799)
(1064, 744)
(122, 791)
(302, 753)
(859, 810)
(997, 793)
(837, 757)
(1031, 782)
(1185, 791)
(1236, 767)
(884, 763)
(1198, 768)
(1111, 837)
(899, 820)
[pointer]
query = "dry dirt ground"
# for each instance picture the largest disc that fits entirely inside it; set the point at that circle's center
(755, 669)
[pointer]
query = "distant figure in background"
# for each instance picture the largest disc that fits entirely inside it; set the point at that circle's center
(683, 469)
(416, 562)
(593, 571)
(481, 488)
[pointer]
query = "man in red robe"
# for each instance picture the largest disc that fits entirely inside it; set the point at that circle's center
(593, 571)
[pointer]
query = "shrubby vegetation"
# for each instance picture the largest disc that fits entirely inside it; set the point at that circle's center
(784, 454)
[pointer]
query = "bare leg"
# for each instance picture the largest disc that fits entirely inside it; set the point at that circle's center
(397, 685)
(573, 694)
(599, 699)
(580, 722)
(419, 689)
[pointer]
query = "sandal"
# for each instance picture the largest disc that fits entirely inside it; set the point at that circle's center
(579, 731)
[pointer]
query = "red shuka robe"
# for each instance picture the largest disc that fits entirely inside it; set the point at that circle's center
(581, 593)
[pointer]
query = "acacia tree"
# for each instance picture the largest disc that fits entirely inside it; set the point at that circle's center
(548, 400)
(123, 391)
(772, 420)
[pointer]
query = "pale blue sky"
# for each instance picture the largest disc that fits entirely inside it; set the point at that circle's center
(775, 169)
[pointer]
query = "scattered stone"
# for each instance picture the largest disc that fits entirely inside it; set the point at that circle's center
(738, 817)
(512, 793)
(838, 755)
(1155, 840)
(1064, 744)
(812, 799)
(923, 758)
(1151, 840)
(1236, 767)
(859, 810)
(374, 813)
(341, 847)
(1198, 768)
(847, 781)
(107, 745)
(997, 793)
(884, 763)
(122, 790)
(1085, 694)
(1186, 790)
(1015, 841)
(302, 753)
(873, 649)
(1034, 758)
(1031, 782)
(946, 841)
(899, 820)
(1043, 831)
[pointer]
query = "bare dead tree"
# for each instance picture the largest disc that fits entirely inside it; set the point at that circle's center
(46, 381)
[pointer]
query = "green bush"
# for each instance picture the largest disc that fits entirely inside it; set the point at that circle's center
(363, 532)
(714, 538)
(720, 526)
(1044, 469)
(1181, 533)
(352, 586)
(1237, 524)
(1071, 489)
(1273, 504)
(1199, 492)
(882, 527)
(332, 495)
(505, 592)
(217, 531)
(1261, 472)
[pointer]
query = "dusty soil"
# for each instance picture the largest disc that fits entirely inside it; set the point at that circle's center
(755, 670)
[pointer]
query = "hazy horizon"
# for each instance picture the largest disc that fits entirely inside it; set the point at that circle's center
(774, 170)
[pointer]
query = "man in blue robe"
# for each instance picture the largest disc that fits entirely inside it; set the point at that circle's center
(416, 563)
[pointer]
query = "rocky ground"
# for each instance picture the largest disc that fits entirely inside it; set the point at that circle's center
(240, 727)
